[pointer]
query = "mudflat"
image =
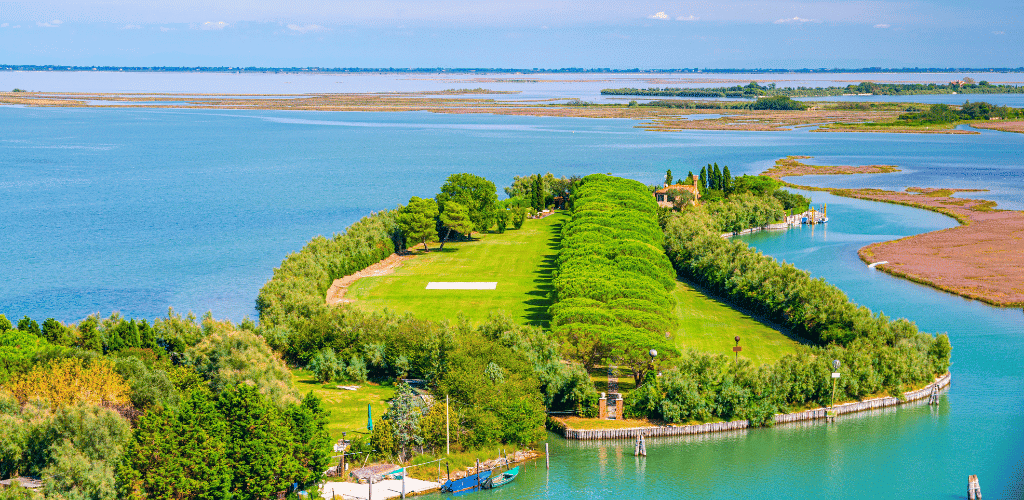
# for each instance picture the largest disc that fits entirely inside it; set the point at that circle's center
(981, 259)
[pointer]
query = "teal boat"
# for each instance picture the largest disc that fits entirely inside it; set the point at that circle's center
(499, 480)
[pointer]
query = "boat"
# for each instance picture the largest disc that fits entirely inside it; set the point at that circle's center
(501, 479)
(471, 482)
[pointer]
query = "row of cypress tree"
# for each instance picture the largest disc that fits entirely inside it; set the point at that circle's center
(613, 279)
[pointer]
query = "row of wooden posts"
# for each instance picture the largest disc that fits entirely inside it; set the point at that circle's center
(930, 391)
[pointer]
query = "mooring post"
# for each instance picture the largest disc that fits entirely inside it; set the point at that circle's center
(369, 496)
(973, 488)
(547, 456)
(403, 482)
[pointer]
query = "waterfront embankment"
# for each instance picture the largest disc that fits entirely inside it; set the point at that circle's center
(782, 418)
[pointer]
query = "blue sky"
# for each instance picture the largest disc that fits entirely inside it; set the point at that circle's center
(514, 33)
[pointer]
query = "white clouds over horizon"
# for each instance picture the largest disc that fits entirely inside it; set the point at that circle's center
(306, 28)
(690, 17)
(213, 25)
(660, 15)
(796, 20)
(52, 24)
(882, 26)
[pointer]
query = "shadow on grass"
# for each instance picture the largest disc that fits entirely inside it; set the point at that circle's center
(540, 301)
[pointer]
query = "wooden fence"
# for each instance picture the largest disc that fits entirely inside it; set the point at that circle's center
(781, 418)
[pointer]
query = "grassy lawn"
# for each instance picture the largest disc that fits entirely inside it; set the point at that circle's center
(348, 408)
(706, 324)
(520, 261)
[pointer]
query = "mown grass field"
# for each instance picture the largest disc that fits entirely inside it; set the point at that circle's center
(520, 261)
(348, 408)
(706, 324)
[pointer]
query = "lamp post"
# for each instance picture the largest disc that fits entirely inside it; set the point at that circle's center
(835, 378)
(737, 349)
(653, 353)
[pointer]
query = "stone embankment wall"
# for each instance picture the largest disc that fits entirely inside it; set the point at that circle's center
(817, 413)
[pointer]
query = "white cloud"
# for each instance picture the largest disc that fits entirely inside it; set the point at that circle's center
(690, 17)
(210, 25)
(998, 32)
(165, 29)
(882, 26)
(797, 20)
(4, 25)
(131, 27)
(660, 15)
(306, 28)
(52, 24)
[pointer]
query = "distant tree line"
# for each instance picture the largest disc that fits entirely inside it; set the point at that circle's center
(754, 90)
(943, 113)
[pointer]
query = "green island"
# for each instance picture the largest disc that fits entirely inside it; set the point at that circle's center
(501, 319)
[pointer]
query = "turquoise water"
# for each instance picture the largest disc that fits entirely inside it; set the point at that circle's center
(916, 451)
(137, 210)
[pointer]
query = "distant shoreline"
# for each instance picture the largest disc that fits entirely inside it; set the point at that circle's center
(529, 71)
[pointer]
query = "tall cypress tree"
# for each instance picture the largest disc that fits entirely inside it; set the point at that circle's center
(537, 192)
(726, 180)
(668, 177)
(703, 179)
(716, 178)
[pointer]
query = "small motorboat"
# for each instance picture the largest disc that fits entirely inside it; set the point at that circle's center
(499, 480)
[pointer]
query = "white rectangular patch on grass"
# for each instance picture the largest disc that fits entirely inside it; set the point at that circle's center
(462, 285)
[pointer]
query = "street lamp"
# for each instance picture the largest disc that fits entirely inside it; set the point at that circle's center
(835, 377)
(654, 354)
(737, 349)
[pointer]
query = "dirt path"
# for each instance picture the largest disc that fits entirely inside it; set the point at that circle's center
(336, 293)
(981, 259)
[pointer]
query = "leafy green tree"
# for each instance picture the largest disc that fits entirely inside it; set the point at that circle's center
(28, 325)
(760, 185)
(5, 324)
(89, 335)
(146, 335)
(312, 441)
(703, 183)
(404, 415)
(382, 439)
(518, 217)
(132, 337)
(502, 217)
(227, 358)
(418, 220)
(476, 194)
(668, 177)
(259, 444)
(455, 217)
(537, 193)
(726, 180)
(716, 178)
(178, 453)
(326, 366)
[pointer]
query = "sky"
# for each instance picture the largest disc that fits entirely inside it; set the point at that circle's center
(514, 33)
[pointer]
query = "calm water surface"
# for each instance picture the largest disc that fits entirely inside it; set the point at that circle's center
(138, 210)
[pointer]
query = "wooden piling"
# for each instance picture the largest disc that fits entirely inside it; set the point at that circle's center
(547, 456)
(973, 488)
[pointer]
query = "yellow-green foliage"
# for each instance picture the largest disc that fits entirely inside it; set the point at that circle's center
(65, 382)
(227, 358)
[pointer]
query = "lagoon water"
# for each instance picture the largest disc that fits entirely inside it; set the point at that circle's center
(137, 210)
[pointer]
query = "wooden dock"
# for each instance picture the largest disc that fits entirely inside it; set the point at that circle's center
(929, 391)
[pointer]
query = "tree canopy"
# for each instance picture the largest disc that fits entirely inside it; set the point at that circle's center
(476, 193)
